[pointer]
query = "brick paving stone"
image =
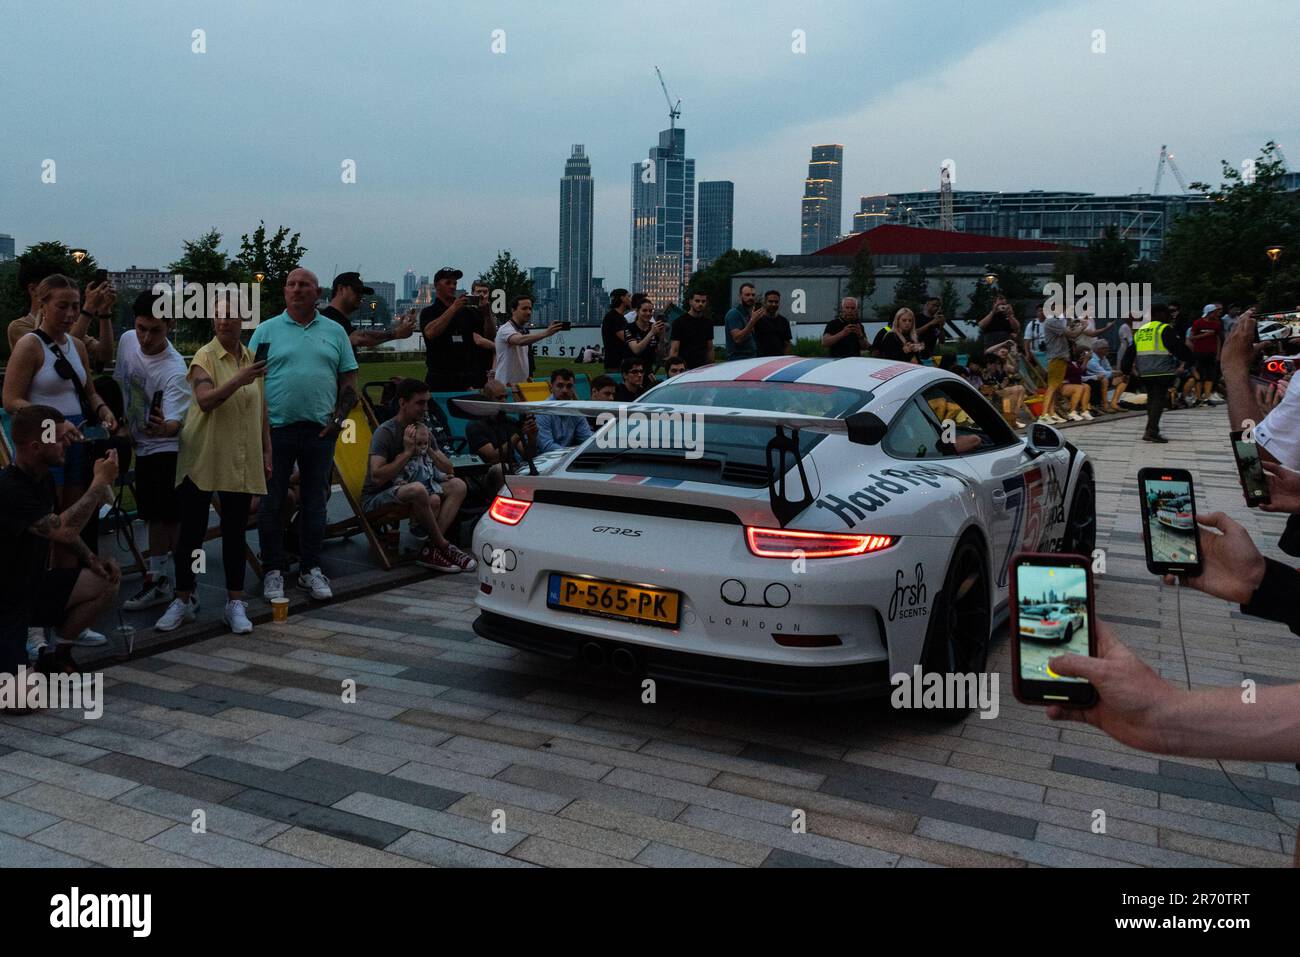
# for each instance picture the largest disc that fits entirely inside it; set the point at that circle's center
(1164, 818)
(709, 797)
(380, 785)
(669, 833)
(335, 852)
(635, 760)
(13, 782)
(783, 858)
(782, 774)
(221, 851)
(542, 758)
(108, 849)
(159, 749)
(134, 771)
(907, 845)
(479, 729)
(783, 794)
(567, 787)
(20, 819)
(538, 850)
(303, 747)
(83, 780)
(1203, 847)
(507, 787)
(250, 724)
(430, 754)
(566, 729)
(665, 855)
(305, 702)
(1021, 848)
(50, 746)
(476, 832)
(218, 818)
(105, 815)
(246, 751)
(441, 852)
(15, 852)
(350, 827)
(1114, 848)
(287, 783)
(561, 829)
(783, 837)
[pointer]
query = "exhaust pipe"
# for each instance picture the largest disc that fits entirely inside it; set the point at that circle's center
(623, 661)
(593, 654)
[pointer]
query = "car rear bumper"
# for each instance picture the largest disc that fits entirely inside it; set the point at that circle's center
(824, 682)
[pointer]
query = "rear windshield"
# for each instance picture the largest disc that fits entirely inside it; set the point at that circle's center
(732, 454)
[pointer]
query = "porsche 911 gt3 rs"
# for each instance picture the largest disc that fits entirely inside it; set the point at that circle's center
(1055, 622)
(844, 521)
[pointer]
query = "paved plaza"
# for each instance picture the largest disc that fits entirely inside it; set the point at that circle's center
(450, 735)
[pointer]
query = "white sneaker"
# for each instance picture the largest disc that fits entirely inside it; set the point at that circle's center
(316, 583)
(273, 585)
(1074, 417)
(87, 639)
(178, 613)
(155, 591)
(1086, 414)
(1047, 419)
(36, 643)
(1019, 425)
(236, 616)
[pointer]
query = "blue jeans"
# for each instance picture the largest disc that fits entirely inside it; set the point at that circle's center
(301, 444)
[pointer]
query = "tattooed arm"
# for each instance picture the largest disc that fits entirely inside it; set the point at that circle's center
(65, 527)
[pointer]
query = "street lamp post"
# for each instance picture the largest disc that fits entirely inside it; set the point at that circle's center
(1273, 253)
(78, 255)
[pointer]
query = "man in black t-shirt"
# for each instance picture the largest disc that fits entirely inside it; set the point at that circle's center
(31, 593)
(479, 308)
(482, 437)
(448, 329)
(772, 332)
(345, 298)
(843, 336)
(692, 335)
(613, 329)
(633, 383)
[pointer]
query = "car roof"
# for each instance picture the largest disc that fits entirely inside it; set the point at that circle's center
(884, 378)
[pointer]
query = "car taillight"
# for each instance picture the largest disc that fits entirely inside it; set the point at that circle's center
(1048, 621)
(786, 543)
(509, 511)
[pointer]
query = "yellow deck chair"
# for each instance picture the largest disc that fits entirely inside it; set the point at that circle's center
(532, 391)
(351, 459)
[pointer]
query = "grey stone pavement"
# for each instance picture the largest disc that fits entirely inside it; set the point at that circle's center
(450, 733)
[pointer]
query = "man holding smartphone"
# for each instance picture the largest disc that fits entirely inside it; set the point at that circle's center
(843, 337)
(345, 299)
(514, 340)
(448, 328)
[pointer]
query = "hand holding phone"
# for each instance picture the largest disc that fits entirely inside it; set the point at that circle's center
(1169, 531)
(1052, 613)
(1250, 470)
(263, 352)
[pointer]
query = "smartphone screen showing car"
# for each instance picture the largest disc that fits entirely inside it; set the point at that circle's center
(1052, 612)
(1250, 469)
(1169, 521)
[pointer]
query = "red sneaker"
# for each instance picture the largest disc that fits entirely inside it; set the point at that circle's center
(436, 560)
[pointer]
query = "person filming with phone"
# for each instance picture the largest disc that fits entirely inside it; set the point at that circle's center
(843, 337)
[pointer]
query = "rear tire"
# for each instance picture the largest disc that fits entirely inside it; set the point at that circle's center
(957, 641)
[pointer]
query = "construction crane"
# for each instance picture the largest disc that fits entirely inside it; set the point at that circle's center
(674, 111)
(946, 221)
(1168, 157)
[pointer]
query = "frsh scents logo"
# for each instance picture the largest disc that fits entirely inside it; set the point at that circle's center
(75, 910)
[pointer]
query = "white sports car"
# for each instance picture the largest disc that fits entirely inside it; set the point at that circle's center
(1052, 622)
(841, 521)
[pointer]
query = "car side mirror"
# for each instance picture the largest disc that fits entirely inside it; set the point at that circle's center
(1043, 438)
(865, 428)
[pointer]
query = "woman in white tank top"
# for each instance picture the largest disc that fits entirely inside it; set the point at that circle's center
(32, 376)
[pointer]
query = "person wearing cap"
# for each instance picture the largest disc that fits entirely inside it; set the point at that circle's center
(345, 298)
(1204, 340)
(448, 328)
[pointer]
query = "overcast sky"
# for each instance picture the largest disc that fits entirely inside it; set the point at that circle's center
(459, 151)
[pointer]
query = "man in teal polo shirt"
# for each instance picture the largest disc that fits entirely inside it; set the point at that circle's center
(740, 322)
(311, 386)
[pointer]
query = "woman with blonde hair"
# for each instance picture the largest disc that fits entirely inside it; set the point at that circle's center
(898, 340)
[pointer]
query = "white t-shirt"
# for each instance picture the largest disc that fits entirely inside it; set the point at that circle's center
(1279, 433)
(511, 364)
(140, 376)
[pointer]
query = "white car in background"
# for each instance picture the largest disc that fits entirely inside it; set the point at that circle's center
(1051, 622)
(880, 538)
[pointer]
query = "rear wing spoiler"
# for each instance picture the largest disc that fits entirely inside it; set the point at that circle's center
(862, 428)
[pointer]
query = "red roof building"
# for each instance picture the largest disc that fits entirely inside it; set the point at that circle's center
(894, 240)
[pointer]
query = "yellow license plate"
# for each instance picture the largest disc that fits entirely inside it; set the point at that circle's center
(591, 596)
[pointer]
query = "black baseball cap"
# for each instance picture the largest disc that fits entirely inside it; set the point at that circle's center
(446, 272)
(353, 281)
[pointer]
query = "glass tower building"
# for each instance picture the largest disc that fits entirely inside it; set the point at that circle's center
(823, 204)
(717, 204)
(576, 193)
(663, 217)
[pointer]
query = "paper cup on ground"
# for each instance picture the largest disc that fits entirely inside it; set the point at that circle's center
(125, 637)
(279, 609)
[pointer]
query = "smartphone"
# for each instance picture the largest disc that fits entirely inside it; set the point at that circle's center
(1169, 521)
(566, 326)
(1051, 614)
(263, 352)
(1250, 469)
(155, 407)
(101, 276)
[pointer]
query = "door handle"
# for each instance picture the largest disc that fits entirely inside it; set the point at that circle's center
(999, 496)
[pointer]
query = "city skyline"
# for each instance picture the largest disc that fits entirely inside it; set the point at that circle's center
(577, 196)
(131, 193)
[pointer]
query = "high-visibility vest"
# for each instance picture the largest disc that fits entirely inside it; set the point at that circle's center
(1153, 359)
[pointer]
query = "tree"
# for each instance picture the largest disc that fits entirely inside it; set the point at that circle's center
(715, 280)
(862, 277)
(1216, 253)
(506, 273)
(912, 289)
(203, 260)
(950, 298)
(274, 258)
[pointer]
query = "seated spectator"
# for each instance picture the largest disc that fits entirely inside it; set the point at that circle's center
(675, 366)
(225, 450)
(633, 383)
(603, 389)
(152, 376)
(561, 431)
(1097, 376)
(1003, 382)
(392, 448)
(485, 438)
(1075, 392)
(31, 593)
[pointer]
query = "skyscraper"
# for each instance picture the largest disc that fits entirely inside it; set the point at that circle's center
(576, 189)
(410, 283)
(663, 219)
(822, 207)
(717, 203)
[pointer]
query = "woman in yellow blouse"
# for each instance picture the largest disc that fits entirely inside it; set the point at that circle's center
(226, 449)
